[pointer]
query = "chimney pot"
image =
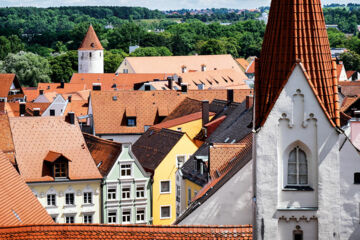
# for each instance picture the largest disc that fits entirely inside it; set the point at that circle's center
(249, 101)
(205, 112)
(170, 83)
(62, 84)
(36, 112)
(69, 98)
(184, 88)
(71, 117)
(22, 107)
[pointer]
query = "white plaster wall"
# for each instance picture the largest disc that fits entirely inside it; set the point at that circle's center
(131, 138)
(230, 205)
(286, 229)
(125, 65)
(268, 152)
(350, 192)
(93, 64)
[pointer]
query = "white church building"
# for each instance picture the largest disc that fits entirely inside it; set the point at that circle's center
(91, 54)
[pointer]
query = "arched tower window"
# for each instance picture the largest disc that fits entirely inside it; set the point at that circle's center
(297, 168)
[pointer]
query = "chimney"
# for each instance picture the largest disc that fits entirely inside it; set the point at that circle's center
(184, 88)
(170, 83)
(36, 112)
(62, 84)
(230, 95)
(147, 86)
(41, 92)
(22, 107)
(96, 86)
(205, 112)
(69, 98)
(249, 101)
(179, 80)
(71, 117)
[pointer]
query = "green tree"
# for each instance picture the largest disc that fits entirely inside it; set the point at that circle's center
(213, 46)
(151, 51)
(63, 66)
(337, 38)
(113, 59)
(5, 47)
(12, 44)
(29, 68)
(351, 61)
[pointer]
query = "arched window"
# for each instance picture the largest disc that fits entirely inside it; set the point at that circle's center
(297, 168)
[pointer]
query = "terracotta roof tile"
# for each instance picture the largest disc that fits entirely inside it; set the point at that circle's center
(350, 73)
(6, 79)
(185, 107)
(251, 68)
(295, 33)
(347, 102)
(243, 63)
(56, 87)
(31, 93)
(110, 108)
(91, 41)
(181, 120)
(129, 232)
(34, 137)
(13, 108)
(339, 68)
(350, 88)
(104, 152)
(18, 205)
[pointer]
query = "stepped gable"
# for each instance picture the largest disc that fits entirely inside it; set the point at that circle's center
(295, 33)
(91, 41)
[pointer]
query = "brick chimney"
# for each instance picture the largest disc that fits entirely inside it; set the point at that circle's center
(184, 88)
(36, 112)
(249, 101)
(62, 84)
(170, 83)
(22, 107)
(205, 112)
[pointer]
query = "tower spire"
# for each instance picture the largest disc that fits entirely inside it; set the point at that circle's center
(91, 41)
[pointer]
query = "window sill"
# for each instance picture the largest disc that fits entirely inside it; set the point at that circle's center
(165, 192)
(298, 188)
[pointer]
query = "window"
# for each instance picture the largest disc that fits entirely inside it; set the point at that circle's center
(165, 212)
(179, 129)
(298, 233)
(297, 168)
(140, 191)
(126, 192)
(88, 219)
(111, 193)
(131, 121)
(125, 71)
(178, 193)
(180, 160)
(52, 112)
(60, 169)
(54, 218)
(90, 54)
(69, 198)
(70, 219)
(140, 215)
(195, 193)
(165, 187)
(357, 178)
(112, 217)
(125, 170)
(87, 197)
(126, 216)
(51, 200)
(189, 196)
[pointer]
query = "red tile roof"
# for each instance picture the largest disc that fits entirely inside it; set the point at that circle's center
(34, 137)
(243, 63)
(181, 120)
(128, 232)
(91, 41)
(350, 73)
(295, 33)
(347, 102)
(339, 68)
(350, 88)
(13, 108)
(6, 80)
(251, 68)
(6, 140)
(18, 205)
(56, 87)
(212, 126)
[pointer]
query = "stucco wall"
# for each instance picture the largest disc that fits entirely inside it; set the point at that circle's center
(131, 138)
(93, 64)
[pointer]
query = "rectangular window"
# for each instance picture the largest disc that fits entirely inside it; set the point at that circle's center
(52, 112)
(69, 198)
(125, 192)
(112, 217)
(111, 193)
(70, 219)
(125, 71)
(88, 219)
(126, 216)
(178, 193)
(125, 170)
(165, 187)
(165, 212)
(60, 169)
(131, 121)
(51, 200)
(87, 197)
(189, 196)
(140, 215)
(180, 160)
(140, 191)
(357, 178)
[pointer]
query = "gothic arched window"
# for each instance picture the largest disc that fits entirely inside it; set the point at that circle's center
(297, 168)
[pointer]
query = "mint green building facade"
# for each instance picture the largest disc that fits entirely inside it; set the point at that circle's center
(127, 191)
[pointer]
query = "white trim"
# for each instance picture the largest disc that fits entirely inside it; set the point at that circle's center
(177, 163)
(116, 216)
(145, 193)
(130, 195)
(140, 208)
(131, 169)
(169, 211)
(122, 215)
(169, 186)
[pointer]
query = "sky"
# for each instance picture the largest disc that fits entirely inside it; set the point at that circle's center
(152, 4)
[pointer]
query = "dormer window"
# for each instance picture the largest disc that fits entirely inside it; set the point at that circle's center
(60, 169)
(56, 165)
(131, 121)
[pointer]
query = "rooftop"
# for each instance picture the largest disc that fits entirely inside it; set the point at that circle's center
(181, 120)
(91, 41)
(6, 80)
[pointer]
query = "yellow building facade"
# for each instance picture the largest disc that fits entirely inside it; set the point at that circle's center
(70, 201)
(164, 202)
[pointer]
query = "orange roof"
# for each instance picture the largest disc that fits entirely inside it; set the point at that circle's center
(91, 41)
(347, 102)
(18, 205)
(181, 120)
(350, 73)
(31, 93)
(350, 88)
(112, 81)
(128, 232)
(175, 64)
(56, 87)
(35, 137)
(251, 68)
(295, 33)
(80, 108)
(13, 108)
(6, 80)
(6, 141)
(339, 68)
(243, 63)
(110, 108)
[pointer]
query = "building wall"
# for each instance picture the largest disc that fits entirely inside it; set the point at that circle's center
(167, 171)
(350, 192)
(194, 190)
(125, 65)
(297, 119)
(114, 180)
(121, 138)
(190, 128)
(61, 209)
(230, 205)
(59, 105)
(91, 64)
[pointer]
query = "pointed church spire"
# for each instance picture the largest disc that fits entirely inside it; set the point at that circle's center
(295, 32)
(91, 41)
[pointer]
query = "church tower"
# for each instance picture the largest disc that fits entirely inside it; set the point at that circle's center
(296, 152)
(91, 54)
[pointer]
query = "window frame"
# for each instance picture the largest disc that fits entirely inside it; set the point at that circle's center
(126, 169)
(69, 216)
(87, 198)
(122, 215)
(177, 160)
(73, 199)
(297, 174)
(111, 188)
(128, 193)
(356, 175)
(140, 221)
(63, 169)
(108, 216)
(131, 120)
(52, 200)
(87, 216)
(162, 206)
(143, 192)
(161, 192)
